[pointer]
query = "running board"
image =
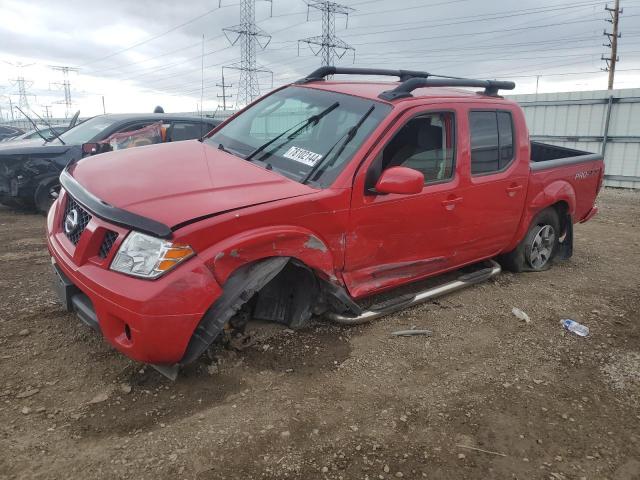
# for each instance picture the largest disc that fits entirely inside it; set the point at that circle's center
(403, 302)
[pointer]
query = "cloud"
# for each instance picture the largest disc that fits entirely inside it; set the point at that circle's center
(457, 37)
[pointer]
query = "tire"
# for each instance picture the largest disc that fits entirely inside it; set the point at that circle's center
(46, 194)
(539, 246)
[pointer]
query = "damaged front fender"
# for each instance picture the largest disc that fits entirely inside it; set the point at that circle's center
(254, 245)
(238, 289)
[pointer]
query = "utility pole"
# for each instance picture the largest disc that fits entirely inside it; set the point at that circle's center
(613, 42)
(330, 46)
(47, 114)
(224, 95)
(66, 86)
(250, 37)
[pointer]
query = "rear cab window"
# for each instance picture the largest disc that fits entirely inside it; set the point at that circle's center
(492, 141)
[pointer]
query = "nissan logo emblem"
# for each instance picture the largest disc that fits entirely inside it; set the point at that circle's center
(71, 221)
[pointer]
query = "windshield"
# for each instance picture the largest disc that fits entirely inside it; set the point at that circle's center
(86, 131)
(305, 134)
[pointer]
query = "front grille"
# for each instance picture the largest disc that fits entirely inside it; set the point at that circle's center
(73, 224)
(107, 243)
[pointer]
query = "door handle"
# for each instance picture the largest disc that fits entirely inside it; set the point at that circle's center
(513, 189)
(451, 202)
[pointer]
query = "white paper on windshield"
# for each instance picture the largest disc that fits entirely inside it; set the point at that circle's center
(303, 156)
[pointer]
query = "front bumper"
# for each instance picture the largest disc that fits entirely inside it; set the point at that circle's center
(150, 321)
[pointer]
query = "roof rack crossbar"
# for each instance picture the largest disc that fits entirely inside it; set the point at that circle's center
(323, 72)
(404, 90)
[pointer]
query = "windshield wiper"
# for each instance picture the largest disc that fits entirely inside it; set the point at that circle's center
(349, 136)
(34, 125)
(50, 128)
(297, 129)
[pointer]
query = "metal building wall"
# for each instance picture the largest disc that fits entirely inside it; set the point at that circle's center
(579, 120)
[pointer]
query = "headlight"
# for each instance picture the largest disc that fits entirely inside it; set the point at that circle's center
(144, 256)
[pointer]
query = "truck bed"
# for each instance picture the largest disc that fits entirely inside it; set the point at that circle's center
(558, 169)
(544, 156)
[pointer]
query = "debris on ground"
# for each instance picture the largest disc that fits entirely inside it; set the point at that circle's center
(490, 381)
(575, 327)
(27, 393)
(99, 398)
(521, 315)
(481, 450)
(411, 333)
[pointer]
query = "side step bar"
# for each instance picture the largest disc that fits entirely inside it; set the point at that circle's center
(461, 282)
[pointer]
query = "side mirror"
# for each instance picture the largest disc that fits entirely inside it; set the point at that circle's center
(95, 148)
(400, 180)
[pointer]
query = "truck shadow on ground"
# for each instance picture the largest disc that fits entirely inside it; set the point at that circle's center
(154, 401)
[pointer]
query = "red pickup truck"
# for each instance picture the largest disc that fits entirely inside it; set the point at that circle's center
(311, 201)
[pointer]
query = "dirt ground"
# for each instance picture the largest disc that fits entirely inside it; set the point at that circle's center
(487, 396)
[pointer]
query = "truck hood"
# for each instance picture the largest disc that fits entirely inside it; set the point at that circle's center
(175, 183)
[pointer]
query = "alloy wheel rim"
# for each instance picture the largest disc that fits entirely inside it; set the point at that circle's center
(542, 247)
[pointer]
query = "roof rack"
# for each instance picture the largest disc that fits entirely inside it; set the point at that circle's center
(322, 72)
(404, 90)
(410, 79)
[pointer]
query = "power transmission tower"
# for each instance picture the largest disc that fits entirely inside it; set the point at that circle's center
(613, 37)
(47, 113)
(329, 45)
(250, 37)
(22, 85)
(224, 95)
(66, 86)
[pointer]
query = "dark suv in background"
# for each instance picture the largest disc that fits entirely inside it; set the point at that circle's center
(29, 170)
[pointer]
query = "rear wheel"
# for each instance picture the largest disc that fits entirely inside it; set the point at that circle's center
(536, 251)
(540, 249)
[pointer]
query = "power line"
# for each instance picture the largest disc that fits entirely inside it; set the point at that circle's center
(496, 15)
(501, 30)
(472, 19)
(150, 39)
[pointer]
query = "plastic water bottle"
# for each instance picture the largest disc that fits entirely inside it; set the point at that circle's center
(575, 327)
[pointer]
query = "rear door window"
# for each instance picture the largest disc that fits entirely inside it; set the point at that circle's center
(188, 131)
(491, 141)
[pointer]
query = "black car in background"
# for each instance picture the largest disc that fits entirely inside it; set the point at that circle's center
(42, 131)
(9, 132)
(29, 169)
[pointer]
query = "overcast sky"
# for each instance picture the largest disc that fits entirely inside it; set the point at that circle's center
(145, 53)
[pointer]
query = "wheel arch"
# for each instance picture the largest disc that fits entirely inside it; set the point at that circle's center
(297, 243)
(559, 195)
